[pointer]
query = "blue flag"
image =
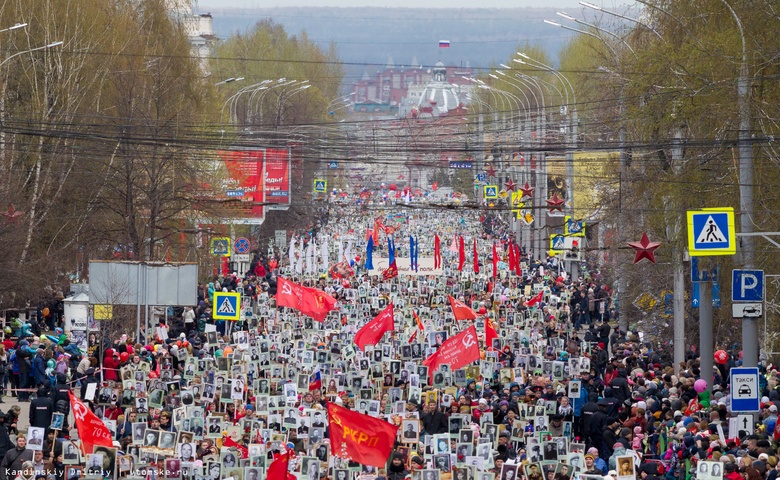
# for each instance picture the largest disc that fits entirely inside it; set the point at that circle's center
(391, 250)
(369, 254)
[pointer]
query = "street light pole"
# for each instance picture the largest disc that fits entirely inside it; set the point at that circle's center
(749, 325)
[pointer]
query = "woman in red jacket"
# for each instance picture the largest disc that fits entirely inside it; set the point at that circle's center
(111, 365)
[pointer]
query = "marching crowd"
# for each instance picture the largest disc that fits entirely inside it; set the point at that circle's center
(558, 391)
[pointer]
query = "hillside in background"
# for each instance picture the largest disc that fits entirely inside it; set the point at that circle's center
(367, 38)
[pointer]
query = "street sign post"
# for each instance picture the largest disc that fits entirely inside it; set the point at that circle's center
(711, 232)
(747, 285)
(747, 310)
(745, 395)
(220, 246)
(227, 306)
(241, 245)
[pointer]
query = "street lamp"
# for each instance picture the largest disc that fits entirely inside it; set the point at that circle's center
(13, 27)
(615, 14)
(51, 45)
(595, 27)
(229, 80)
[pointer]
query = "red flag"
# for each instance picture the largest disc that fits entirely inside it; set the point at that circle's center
(461, 254)
(511, 257)
(535, 300)
(309, 301)
(457, 351)
(412, 336)
(476, 257)
(229, 442)
(436, 252)
(417, 320)
(372, 332)
(518, 269)
(461, 310)
(278, 468)
(495, 261)
(391, 272)
(92, 430)
(490, 333)
(367, 440)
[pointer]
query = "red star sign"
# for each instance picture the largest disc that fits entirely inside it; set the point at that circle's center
(555, 203)
(12, 215)
(644, 249)
(490, 171)
(510, 185)
(527, 190)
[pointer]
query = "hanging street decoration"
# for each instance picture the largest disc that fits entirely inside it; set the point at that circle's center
(527, 190)
(510, 185)
(555, 203)
(644, 249)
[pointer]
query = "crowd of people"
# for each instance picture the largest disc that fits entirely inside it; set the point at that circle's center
(561, 393)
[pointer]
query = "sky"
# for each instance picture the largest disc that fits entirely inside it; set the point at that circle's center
(215, 4)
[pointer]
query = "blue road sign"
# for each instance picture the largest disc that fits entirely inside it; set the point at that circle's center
(747, 285)
(227, 306)
(699, 274)
(711, 232)
(241, 245)
(333, 165)
(696, 295)
(745, 395)
(482, 177)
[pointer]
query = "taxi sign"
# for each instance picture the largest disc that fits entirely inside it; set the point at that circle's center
(712, 232)
(227, 306)
(745, 396)
(220, 246)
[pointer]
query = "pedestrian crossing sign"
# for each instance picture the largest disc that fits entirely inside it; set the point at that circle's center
(490, 191)
(557, 243)
(711, 231)
(227, 306)
(220, 246)
(320, 186)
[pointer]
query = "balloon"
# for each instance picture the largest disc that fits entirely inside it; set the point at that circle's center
(51, 363)
(124, 356)
(227, 350)
(45, 312)
(218, 354)
(721, 357)
(393, 187)
(700, 385)
(482, 310)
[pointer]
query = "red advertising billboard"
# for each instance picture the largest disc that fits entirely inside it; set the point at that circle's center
(277, 178)
(243, 189)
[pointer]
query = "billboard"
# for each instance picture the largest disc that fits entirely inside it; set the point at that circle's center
(134, 283)
(277, 178)
(243, 188)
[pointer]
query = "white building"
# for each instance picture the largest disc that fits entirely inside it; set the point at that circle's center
(199, 29)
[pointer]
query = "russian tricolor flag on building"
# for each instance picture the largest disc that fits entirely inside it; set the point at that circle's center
(444, 44)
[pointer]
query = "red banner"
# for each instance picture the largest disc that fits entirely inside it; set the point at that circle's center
(372, 332)
(391, 271)
(367, 440)
(277, 176)
(461, 310)
(457, 351)
(309, 301)
(92, 430)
